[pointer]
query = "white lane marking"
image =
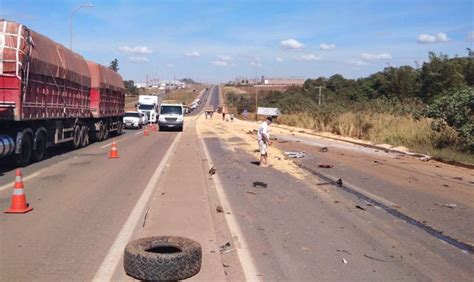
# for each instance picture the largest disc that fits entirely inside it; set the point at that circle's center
(10, 185)
(243, 251)
(139, 132)
(106, 145)
(115, 253)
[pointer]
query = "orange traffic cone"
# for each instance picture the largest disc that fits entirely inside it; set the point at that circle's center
(113, 151)
(145, 132)
(19, 204)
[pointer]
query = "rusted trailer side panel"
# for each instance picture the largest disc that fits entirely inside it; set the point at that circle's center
(107, 91)
(40, 79)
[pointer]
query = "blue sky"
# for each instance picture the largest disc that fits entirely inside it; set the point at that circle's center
(215, 41)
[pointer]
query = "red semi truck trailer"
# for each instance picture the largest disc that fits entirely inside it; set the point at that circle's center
(51, 95)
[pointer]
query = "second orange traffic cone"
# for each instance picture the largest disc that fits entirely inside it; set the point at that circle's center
(113, 151)
(145, 132)
(19, 204)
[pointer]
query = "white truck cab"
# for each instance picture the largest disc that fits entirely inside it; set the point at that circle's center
(147, 104)
(171, 115)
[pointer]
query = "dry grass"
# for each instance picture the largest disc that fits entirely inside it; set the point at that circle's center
(385, 129)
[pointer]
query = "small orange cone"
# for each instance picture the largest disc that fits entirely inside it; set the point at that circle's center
(113, 151)
(19, 204)
(145, 132)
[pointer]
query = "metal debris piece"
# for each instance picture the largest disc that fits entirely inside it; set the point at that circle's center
(451, 206)
(251, 192)
(225, 248)
(326, 166)
(212, 171)
(425, 158)
(360, 208)
(219, 208)
(323, 149)
(260, 184)
(296, 155)
(344, 251)
(383, 260)
(339, 182)
(344, 261)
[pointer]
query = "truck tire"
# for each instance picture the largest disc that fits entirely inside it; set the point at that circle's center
(76, 137)
(26, 149)
(162, 258)
(41, 144)
(84, 136)
(106, 131)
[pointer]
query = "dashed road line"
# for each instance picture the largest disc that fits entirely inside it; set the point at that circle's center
(115, 253)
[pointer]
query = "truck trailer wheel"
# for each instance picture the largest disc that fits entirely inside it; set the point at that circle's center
(162, 258)
(76, 138)
(84, 136)
(41, 143)
(26, 148)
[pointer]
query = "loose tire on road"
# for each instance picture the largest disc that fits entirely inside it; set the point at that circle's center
(162, 258)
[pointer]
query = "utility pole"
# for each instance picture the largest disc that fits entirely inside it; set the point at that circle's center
(256, 93)
(319, 97)
(70, 21)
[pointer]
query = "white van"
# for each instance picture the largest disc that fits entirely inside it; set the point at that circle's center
(171, 116)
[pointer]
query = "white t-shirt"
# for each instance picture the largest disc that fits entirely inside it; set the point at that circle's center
(263, 130)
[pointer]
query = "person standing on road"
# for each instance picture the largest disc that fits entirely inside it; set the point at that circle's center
(263, 137)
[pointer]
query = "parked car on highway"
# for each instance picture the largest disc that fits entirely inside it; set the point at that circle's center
(133, 119)
(171, 116)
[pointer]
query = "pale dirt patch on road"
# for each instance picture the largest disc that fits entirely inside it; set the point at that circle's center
(240, 135)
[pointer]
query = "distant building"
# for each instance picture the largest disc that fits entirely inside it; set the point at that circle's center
(283, 81)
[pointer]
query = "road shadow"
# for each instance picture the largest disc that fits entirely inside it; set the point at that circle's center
(8, 164)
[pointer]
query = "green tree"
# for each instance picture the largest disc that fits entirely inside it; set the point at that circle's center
(114, 65)
(456, 110)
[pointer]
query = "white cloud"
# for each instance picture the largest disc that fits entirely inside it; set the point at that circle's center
(308, 57)
(428, 38)
(278, 59)
(169, 65)
(193, 54)
(470, 36)
(220, 63)
(135, 50)
(324, 46)
(224, 58)
(291, 44)
(256, 64)
(358, 62)
(371, 57)
(139, 59)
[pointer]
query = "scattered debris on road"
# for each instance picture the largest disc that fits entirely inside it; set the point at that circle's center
(260, 184)
(219, 209)
(296, 155)
(282, 141)
(383, 260)
(360, 208)
(323, 149)
(425, 158)
(226, 248)
(146, 215)
(344, 261)
(344, 251)
(326, 166)
(251, 192)
(451, 206)
(339, 182)
(212, 171)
